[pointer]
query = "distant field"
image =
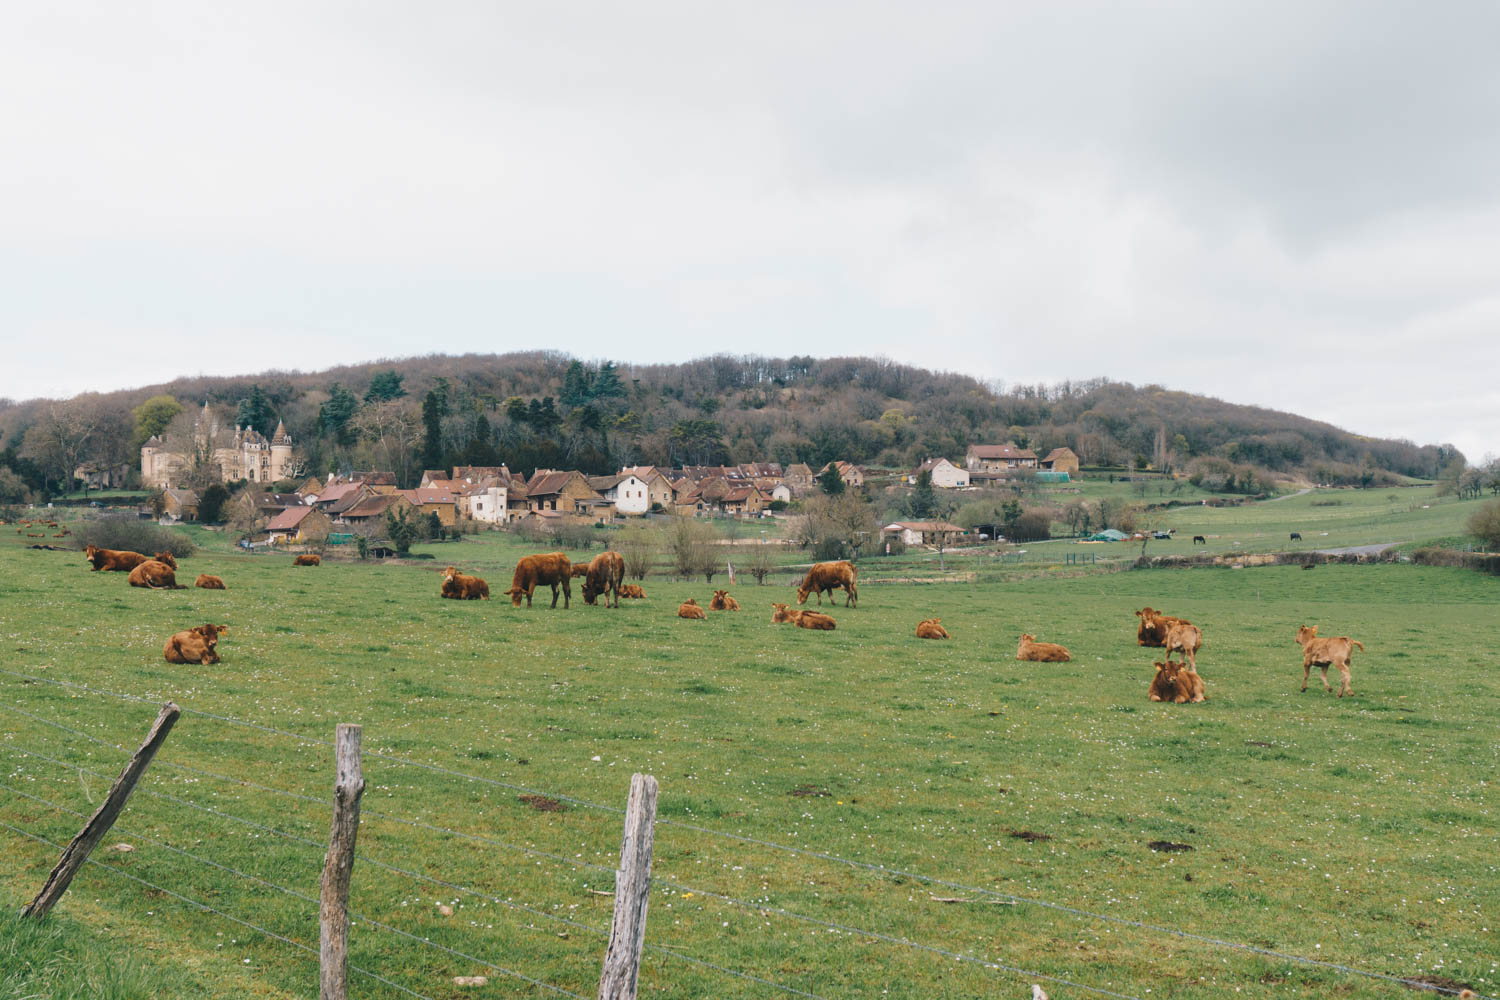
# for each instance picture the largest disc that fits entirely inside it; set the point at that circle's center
(1358, 831)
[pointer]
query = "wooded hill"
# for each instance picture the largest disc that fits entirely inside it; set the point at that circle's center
(547, 409)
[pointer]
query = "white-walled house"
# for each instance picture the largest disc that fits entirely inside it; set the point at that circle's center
(923, 532)
(486, 502)
(945, 475)
(628, 492)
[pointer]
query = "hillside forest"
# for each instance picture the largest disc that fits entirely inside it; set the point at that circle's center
(550, 410)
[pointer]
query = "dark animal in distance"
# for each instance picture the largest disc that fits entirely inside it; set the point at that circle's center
(549, 570)
(603, 575)
(830, 576)
(1296, 536)
(195, 645)
(1199, 538)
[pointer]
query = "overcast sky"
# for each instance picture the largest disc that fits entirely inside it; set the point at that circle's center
(1291, 204)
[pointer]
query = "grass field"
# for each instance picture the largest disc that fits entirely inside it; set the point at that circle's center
(1359, 831)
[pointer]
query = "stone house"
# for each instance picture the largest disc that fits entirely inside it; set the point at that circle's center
(945, 475)
(1061, 460)
(997, 459)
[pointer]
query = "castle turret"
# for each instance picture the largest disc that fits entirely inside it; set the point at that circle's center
(281, 452)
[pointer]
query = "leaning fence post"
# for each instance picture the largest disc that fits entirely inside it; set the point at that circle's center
(77, 851)
(338, 866)
(627, 932)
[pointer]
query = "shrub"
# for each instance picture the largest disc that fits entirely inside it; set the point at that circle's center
(1484, 524)
(134, 535)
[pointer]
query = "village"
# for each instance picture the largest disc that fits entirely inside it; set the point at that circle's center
(314, 509)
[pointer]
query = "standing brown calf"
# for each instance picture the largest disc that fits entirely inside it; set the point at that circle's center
(1185, 639)
(1327, 653)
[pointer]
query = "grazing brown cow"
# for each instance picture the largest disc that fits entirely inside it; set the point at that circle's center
(1327, 653)
(632, 590)
(830, 576)
(1153, 627)
(723, 602)
(1178, 683)
(931, 628)
(551, 569)
(155, 575)
(1040, 652)
(308, 559)
(196, 645)
(1185, 639)
(120, 560)
(458, 587)
(690, 609)
(208, 582)
(602, 575)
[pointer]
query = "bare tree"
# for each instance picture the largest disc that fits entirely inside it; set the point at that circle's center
(762, 561)
(637, 546)
(62, 436)
(391, 433)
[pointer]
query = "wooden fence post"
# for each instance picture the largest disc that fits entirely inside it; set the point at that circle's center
(78, 849)
(627, 932)
(338, 866)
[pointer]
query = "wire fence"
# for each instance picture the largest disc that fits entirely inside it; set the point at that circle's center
(763, 907)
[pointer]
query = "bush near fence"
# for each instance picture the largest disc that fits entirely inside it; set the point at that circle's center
(132, 534)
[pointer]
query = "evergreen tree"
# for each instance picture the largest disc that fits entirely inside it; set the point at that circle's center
(607, 383)
(923, 502)
(256, 412)
(401, 530)
(334, 415)
(385, 386)
(211, 504)
(433, 406)
(831, 481)
(575, 385)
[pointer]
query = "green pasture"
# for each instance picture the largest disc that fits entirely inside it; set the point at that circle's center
(1361, 831)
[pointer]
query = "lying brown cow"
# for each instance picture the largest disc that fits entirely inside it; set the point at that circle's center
(602, 575)
(781, 614)
(155, 575)
(1178, 683)
(458, 587)
(118, 560)
(1040, 652)
(551, 569)
(1327, 653)
(196, 645)
(1153, 627)
(208, 582)
(690, 609)
(723, 602)
(931, 628)
(633, 591)
(830, 576)
(308, 559)
(1185, 639)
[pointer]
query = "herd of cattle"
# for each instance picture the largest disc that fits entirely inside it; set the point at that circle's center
(603, 576)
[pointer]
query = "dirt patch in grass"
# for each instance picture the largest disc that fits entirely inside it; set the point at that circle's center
(542, 803)
(1030, 836)
(1167, 845)
(1258, 743)
(809, 792)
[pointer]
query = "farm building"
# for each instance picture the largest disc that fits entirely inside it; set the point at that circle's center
(998, 459)
(1060, 460)
(945, 475)
(296, 525)
(922, 532)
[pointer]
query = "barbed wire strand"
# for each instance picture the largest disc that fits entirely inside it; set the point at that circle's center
(366, 859)
(219, 913)
(355, 918)
(808, 852)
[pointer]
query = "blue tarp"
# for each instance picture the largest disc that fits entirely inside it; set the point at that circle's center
(1108, 535)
